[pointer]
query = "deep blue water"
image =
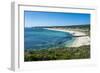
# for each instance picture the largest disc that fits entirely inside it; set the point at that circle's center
(40, 38)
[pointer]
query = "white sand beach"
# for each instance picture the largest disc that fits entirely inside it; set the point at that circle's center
(82, 38)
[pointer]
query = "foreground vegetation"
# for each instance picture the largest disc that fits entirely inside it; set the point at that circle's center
(82, 52)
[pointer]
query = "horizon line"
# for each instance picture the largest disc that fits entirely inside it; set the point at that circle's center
(60, 25)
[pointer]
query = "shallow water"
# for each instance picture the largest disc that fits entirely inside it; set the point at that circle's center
(40, 38)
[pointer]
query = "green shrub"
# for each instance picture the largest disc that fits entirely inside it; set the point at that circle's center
(58, 54)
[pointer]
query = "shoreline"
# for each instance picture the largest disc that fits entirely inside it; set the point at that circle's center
(79, 41)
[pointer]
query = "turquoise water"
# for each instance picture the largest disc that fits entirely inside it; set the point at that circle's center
(40, 38)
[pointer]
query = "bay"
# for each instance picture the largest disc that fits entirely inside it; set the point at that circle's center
(41, 38)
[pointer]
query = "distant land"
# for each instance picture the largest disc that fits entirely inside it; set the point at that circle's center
(85, 25)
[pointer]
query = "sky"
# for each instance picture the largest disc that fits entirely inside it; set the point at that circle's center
(34, 19)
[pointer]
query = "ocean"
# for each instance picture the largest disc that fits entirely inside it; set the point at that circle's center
(40, 38)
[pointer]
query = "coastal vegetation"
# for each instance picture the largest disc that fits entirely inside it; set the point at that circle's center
(67, 53)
